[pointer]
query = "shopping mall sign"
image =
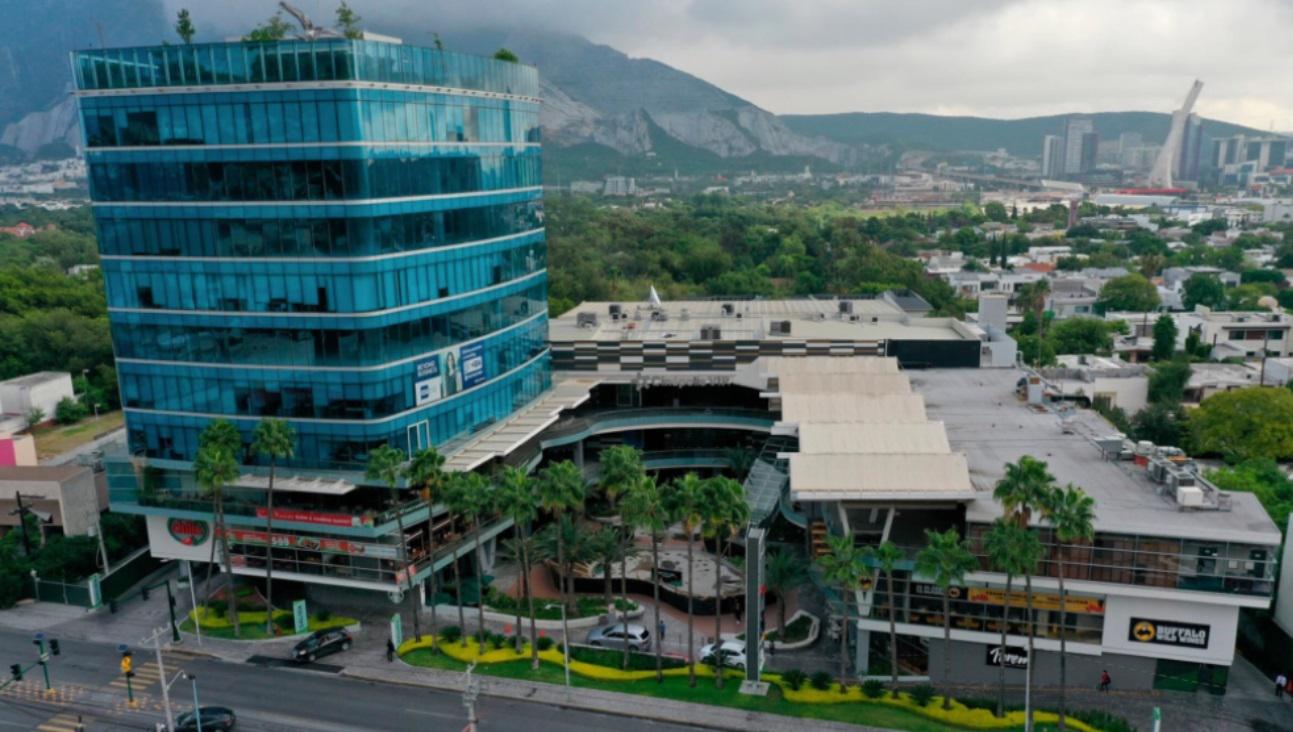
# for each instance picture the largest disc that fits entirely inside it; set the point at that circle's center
(188, 531)
(1168, 633)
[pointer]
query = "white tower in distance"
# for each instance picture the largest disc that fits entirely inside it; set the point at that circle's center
(1161, 175)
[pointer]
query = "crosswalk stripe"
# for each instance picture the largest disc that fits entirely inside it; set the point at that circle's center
(60, 723)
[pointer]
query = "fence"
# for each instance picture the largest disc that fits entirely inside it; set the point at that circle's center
(95, 590)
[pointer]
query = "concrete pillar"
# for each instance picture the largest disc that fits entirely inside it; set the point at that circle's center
(579, 455)
(861, 652)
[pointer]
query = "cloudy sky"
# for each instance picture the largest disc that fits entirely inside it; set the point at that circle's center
(995, 58)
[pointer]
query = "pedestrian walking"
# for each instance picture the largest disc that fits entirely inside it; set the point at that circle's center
(390, 651)
(737, 608)
(1105, 681)
(662, 627)
(1281, 681)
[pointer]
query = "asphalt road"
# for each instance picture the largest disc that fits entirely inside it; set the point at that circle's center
(87, 681)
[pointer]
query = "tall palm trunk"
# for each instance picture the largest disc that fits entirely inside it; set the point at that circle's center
(1063, 636)
(624, 597)
(1001, 661)
(269, 551)
(844, 639)
(529, 599)
(893, 636)
(565, 572)
(718, 609)
(655, 596)
(947, 646)
(1032, 657)
(480, 586)
(435, 593)
(607, 562)
(408, 573)
(691, 639)
(215, 541)
(457, 597)
(228, 568)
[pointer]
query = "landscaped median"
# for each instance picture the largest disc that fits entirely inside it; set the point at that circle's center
(855, 705)
(219, 625)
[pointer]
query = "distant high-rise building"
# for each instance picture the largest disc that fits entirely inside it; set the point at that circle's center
(1186, 161)
(1236, 158)
(1077, 159)
(1052, 156)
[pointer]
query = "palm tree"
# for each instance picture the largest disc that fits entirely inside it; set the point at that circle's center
(516, 500)
(458, 499)
(888, 555)
(272, 438)
(687, 498)
(726, 513)
(1071, 514)
(946, 559)
(562, 489)
(621, 470)
(214, 468)
(1013, 551)
(604, 544)
(784, 571)
(845, 565)
(385, 464)
(426, 472)
(644, 507)
(1024, 488)
(476, 501)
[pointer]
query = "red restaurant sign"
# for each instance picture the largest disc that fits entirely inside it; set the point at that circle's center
(314, 517)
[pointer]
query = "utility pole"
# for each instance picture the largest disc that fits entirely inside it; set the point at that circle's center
(156, 639)
(22, 525)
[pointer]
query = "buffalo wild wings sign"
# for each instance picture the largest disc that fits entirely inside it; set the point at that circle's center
(1168, 633)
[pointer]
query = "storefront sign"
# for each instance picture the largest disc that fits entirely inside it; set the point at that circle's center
(188, 532)
(472, 362)
(300, 619)
(1008, 656)
(1168, 633)
(315, 543)
(314, 517)
(1041, 600)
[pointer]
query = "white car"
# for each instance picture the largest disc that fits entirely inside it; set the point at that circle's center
(733, 654)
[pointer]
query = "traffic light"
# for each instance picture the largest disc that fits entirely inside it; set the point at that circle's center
(16, 670)
(53, 646)
(127, 664)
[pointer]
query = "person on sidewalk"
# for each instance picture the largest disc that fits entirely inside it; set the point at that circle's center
(737, 607)
(390, 651)
(1105, 681)
(1281, 681)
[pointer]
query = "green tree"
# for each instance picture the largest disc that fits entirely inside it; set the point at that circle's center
(1244, 424)
(518, 501)
(386, 465)
(847, 567)
(1160, 423)
(1071, 514)
(274, 29)
(726, 513)
(562, 490)
(888, 555)
(221, 434)
(1263, 478)
(214, 468)
(348, 21)
(503, 54)
(425, 472)
(474, 500)
(946, 559)
(995, 211)
(1023, 489)
(184, 26)
(1203, 289)
(274, 439)
(1009, 548)
(1081, 336)
(1131, 292)
(35, 416)
(646, 507)
(1168, 380)
(783, 572)
(687, 504)
(1164, 338)
(621, 468)
(69, 411)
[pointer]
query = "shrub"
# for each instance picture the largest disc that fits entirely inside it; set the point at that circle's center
(545, 643)
(69, 411)
(922, 694)
(873, 688)
(218, 608)
(323, 614)
(1103, 721)
(497, 640)
(451, 633)
(794, 678)
(820, 680)
(285, 621)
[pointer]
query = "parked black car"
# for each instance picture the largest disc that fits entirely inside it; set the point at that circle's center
(321, 643)
(214, 719)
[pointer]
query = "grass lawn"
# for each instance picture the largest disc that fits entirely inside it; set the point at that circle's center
(58, 439)
(253, 625)
(704, 693)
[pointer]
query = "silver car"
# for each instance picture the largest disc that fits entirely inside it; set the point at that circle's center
(612, 635)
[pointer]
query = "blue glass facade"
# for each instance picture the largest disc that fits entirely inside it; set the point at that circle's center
(345, 234)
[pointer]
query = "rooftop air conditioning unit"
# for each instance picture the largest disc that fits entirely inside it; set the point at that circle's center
(1189, 496)
(780, 327)
(710, 332)
(616, 310)
(586, 320)
(846, 306)
(728, 309)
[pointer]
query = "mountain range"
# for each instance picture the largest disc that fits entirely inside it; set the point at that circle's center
(603, 112)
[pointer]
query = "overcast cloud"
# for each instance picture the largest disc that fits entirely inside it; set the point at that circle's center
(992, 58)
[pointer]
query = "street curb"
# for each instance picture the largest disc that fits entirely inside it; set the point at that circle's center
(748, 724)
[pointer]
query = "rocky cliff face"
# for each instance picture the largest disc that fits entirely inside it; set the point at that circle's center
(56, 124)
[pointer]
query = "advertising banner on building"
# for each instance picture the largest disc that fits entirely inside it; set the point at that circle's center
(1168, 633)
(315, 517)
(993, 596)
(315, 543)
(428, 386)
(472, 361)
(300, 619)
(1008, 656)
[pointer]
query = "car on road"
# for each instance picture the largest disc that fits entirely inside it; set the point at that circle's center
(612, 635)
(733, 654)
(214, 719)
(322, 643)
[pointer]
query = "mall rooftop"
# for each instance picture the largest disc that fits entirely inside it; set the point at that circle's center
(987, 422)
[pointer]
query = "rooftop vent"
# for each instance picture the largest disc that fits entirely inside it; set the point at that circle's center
(728, 309)
(846, 306)
(780, 327)
(586, 320)
(710, 333)
(616, 310)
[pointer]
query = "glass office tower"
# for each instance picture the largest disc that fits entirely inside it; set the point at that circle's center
(346, 234)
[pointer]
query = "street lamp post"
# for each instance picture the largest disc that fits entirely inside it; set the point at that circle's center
(565, 642)
(197, 709)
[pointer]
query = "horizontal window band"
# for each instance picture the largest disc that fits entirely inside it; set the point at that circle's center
(300, 145)
(333, 369)
(367, 314)
(324, 420)
(281, 86)
(341, 202)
